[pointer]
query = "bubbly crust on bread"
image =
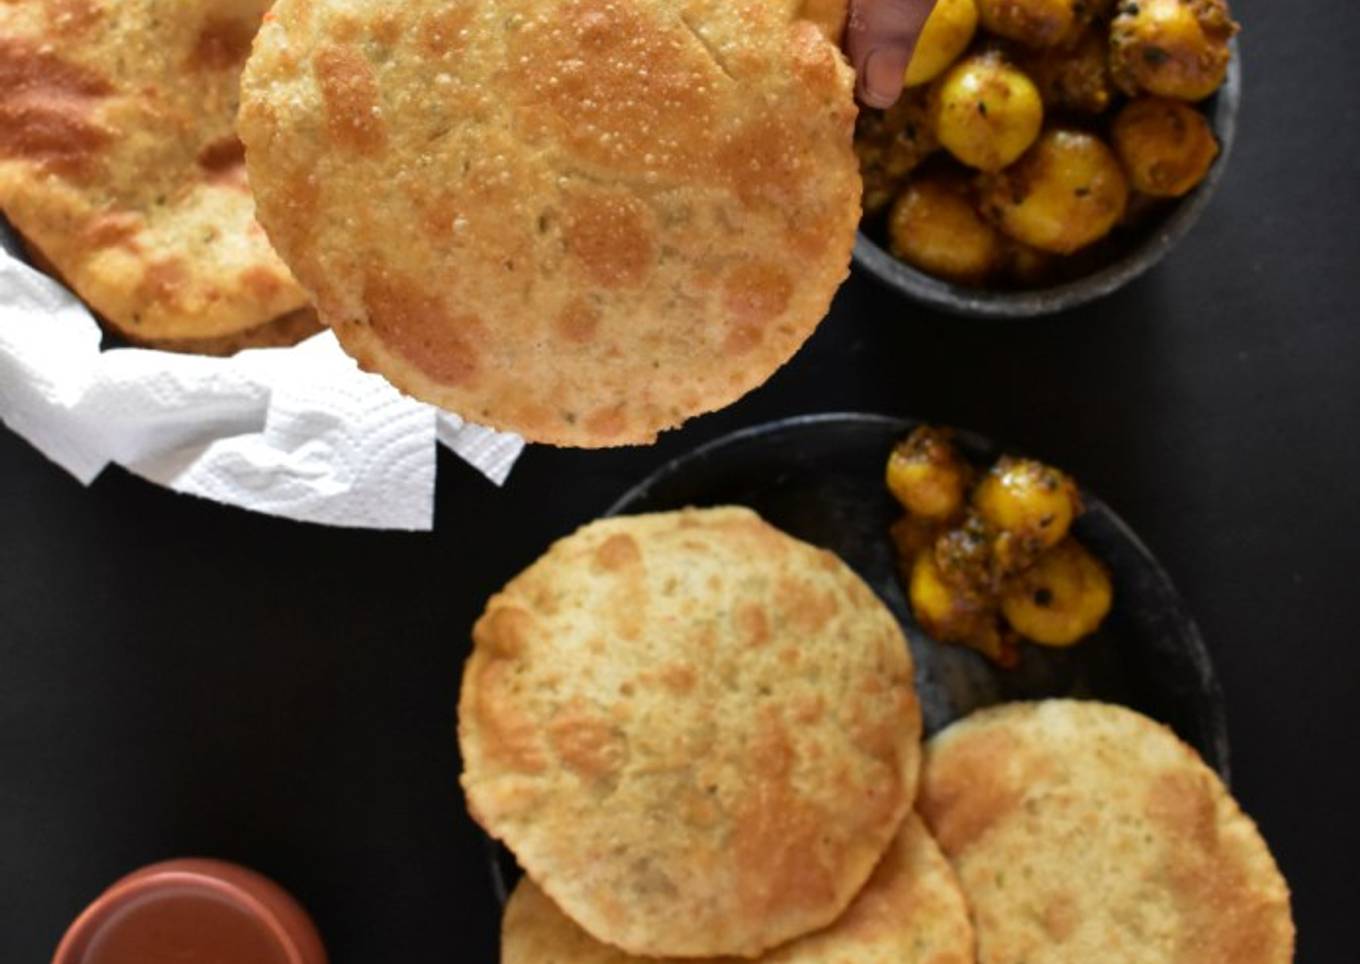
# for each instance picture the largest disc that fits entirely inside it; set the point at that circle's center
(581, 220)
(119, 161)
(697, 734)
(1084, 832)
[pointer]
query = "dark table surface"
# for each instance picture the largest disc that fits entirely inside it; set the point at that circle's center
(180, 678)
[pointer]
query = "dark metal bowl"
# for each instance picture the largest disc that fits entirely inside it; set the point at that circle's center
(1130, 254)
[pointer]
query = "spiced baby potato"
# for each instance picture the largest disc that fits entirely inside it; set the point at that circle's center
(1166, 146)
(952, 613)
(946, 35)
(1067, 192)
(1073, 77)
(927, 475)
(935, 225)
(1035, 23)
(1171, 48)
(1029, 505)
(986, 111)
(891, 144)
(1061, 599)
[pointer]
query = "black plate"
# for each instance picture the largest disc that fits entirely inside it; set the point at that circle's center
(820, 478)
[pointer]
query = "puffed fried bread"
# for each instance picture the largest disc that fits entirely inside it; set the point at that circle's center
(584, 221)
(1087, 832)
(910, 912)
(697, 734)
(119, 162)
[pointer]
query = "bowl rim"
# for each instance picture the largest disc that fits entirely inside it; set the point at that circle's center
(1003, 305)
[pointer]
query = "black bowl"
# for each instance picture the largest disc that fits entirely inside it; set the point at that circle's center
(1123, 257)
(820, 478)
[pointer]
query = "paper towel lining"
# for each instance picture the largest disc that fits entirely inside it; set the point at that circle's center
(296, 432)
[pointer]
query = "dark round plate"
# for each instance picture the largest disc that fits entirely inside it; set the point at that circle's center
(820, 478)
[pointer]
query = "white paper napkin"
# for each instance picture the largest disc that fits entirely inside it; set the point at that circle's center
(294, 432)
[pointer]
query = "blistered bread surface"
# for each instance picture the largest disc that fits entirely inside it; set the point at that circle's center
(581, 220)
(697, 734)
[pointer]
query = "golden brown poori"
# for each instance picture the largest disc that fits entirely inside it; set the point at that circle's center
(120, 166)
(1085, 832)
(910, 912)
(697, 734)
(579, 220)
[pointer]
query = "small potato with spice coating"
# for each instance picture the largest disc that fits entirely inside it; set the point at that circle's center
(953, 613)
(1061, 599)
(927, 475)
(1034, 23)
(1166, 146)
(1171, 48)
(986, 111)
(1029, 505)
(947, 34)
(1073, 77)
(1066, 193)
(891, 144)
(935, 226)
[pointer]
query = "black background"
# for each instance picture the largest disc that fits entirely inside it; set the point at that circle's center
(179, 678)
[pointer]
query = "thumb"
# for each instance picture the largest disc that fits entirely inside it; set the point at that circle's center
(880, 39)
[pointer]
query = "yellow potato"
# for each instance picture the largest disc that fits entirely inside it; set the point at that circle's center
(1066, 193)
(927, 475)
(946, 35)
(1166, 145)
(966, 555)
(1073, 77)
(1171, 48)
(987, 112)
(952, 614)
(935, 225)
(1030, 505)
(890, 144)
(1063, 598)
(1035, 23)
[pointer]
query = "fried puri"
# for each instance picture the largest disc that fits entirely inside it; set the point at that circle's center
(910, 912)
(1087, 832)
(120, 166)
(581, 220)
(697, 734)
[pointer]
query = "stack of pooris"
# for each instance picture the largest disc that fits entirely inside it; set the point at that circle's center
(1087, 832)
(120, 166)
(697, 734)
(910, 912)
(581, 220)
